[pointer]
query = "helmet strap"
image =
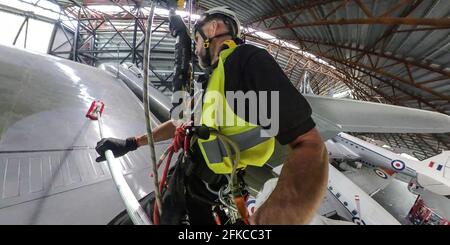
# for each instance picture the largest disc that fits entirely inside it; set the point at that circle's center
(207, 44)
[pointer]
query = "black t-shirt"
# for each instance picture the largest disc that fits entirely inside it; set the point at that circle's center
(251, 68)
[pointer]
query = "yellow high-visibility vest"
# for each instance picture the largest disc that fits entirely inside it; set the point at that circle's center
(255, 150)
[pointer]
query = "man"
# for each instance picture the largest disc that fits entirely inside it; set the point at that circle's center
(245, 68)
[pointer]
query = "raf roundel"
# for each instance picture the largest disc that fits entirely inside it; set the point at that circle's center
(398, 165)
(251, 206)
(380, 173)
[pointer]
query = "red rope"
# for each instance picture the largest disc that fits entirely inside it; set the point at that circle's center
(180, 140)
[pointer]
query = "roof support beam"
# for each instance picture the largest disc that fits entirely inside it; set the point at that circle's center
(364, 8)
(291, 9)
(436, 22)
(382, 55)
(395, 8)
(276, 5)
(383, 72)
(343, 3)
(356, 67)
(393, 28)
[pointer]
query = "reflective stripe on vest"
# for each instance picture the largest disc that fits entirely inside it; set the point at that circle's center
(255, 150)
(215, 150)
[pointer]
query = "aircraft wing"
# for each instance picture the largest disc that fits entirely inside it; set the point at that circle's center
(369, 211)
(339, 151)
(371, 180)
(343, 115)
(48, 173)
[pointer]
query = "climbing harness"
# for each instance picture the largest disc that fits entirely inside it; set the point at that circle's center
(231, 196)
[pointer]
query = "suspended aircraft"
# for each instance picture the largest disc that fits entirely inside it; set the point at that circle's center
(430, 174)
(47, 170)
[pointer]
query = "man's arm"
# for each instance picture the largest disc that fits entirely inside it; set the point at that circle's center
(301, 186)
(120, 147)
(163, 132)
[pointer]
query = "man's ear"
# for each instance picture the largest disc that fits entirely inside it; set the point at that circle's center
(212, 28)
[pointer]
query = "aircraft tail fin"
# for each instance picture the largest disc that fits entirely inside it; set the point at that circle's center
(440, 163)
(438, 179)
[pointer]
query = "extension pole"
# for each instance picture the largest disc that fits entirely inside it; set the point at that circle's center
(134, 209)
(148, 37)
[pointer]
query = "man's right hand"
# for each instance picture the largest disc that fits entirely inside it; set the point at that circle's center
(119, 147)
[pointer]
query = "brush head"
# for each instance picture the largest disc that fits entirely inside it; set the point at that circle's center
(95, 110)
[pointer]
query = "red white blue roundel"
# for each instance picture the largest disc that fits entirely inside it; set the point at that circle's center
(251, 206)
(380, 173)
(398, 165)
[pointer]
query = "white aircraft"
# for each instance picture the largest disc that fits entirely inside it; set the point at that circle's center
(47, 171)
(431, 174)
(343, 198)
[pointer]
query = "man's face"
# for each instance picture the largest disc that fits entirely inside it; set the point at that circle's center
(200, 51)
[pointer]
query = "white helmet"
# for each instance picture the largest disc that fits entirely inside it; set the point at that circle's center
(224, 11)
